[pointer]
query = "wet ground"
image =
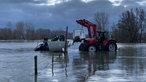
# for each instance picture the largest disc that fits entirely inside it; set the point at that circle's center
(128, 64)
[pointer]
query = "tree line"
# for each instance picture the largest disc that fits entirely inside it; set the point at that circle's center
(26, 31)
(130, 28)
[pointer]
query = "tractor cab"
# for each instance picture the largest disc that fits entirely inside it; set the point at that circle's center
(103, 34)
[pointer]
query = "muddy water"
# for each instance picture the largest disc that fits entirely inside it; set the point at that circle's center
(128, 64)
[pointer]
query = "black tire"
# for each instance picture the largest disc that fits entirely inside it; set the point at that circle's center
(82, 47)
(111, 47)
(92, 48)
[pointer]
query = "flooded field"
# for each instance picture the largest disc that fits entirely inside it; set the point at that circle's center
(128, 64)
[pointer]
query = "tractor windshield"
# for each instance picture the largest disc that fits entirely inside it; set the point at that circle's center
(103, 33)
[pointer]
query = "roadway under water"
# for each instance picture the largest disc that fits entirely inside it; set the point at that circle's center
(128, 64)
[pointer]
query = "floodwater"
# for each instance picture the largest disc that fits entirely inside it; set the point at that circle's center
(128, 64)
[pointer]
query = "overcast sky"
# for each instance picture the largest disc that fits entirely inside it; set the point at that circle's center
(57, 14)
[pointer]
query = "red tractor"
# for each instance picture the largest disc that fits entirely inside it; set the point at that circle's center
(96, 39)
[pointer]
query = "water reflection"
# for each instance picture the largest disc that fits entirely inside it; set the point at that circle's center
(132, 57)
(89, 62)
(52, 66)
(63, 60)
(126, 65)
(35, 78)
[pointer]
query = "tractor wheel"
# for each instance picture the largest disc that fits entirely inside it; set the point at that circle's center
(92, 48)
(82, 47)
(112, 46)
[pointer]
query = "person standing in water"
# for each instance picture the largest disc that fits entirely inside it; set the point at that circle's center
(46, 46)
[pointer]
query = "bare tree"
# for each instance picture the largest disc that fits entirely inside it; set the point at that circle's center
(131, 25)
(42, 33)
(19, 31)
(30, 33)
(101, 19)
(5, 33)
(26, 31)
(140, 14)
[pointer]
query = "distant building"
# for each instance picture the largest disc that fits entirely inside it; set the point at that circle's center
(78, 33)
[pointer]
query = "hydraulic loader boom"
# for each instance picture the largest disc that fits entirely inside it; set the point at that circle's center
(90, 26)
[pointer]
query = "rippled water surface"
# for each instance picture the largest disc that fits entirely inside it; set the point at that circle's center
(128, 64)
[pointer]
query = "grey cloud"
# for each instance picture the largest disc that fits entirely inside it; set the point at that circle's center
(22, 1)
(59, 15)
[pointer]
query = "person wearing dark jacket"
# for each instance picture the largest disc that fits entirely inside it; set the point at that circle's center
(61, 37)
(45, 42)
